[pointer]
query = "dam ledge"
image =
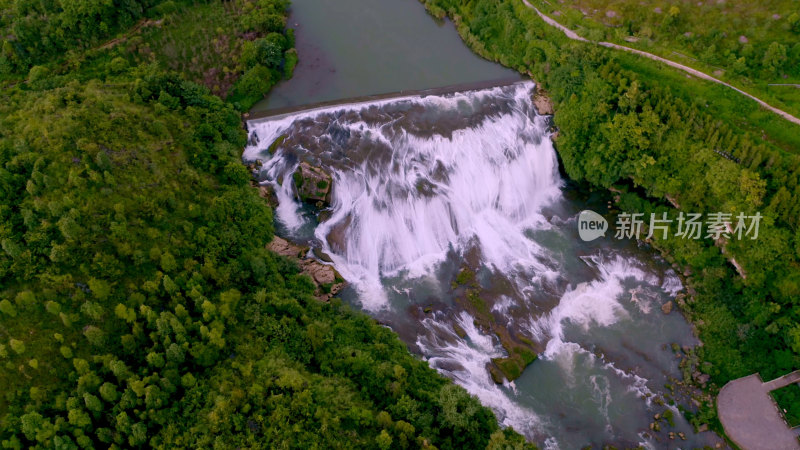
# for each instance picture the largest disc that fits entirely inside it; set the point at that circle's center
(280, 113)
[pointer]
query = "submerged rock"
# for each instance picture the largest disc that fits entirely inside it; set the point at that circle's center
(666, 308)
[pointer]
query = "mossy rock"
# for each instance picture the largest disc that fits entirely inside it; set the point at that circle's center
(527, 355)
(313, 184)
(465, 277)
(511, 368)
(497, 376)
(479, 307)
(276, 143)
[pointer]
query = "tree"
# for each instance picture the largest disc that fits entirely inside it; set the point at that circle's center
(7, 308)
(794, 22)
(17, 346)
(775, 57)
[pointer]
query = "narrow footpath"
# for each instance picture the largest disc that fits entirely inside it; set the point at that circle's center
(572, 35)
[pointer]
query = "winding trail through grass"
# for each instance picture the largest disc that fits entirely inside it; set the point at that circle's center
(572, 35)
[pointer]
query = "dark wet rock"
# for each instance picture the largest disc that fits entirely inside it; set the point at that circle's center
(337, 237)
(253, 139)
(497, 376)
(324, 215)
(267, 193)
(322, 256)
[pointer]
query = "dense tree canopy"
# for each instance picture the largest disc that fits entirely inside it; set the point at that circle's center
(138, 304)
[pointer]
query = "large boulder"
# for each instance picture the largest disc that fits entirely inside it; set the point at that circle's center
(313, 184)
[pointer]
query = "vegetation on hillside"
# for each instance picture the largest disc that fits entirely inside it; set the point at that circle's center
(238, 49)
(625, 122)
(138, 305)
(751, 44)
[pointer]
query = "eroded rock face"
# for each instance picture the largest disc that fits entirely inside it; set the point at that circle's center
(328, 282)
(313, 184)
(542, 102)
(266, 192)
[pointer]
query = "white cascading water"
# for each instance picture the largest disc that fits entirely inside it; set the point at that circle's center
(420, 182)
(486, 184)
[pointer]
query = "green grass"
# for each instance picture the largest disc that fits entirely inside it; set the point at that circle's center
(788, 399)
(720, 101)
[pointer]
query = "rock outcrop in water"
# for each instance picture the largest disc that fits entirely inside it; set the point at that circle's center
(521, 351)
(313, 184)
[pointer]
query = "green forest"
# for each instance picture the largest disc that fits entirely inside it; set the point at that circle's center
(138, 305)
(672, 144)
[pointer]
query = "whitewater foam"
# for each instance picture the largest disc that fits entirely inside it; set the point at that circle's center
(465, 360)
(416, 196)
(419, 182)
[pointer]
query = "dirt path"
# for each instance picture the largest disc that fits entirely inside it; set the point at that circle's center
(572, 35)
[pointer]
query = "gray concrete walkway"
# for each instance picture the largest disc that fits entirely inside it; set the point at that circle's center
(751, 418)
(783, 381)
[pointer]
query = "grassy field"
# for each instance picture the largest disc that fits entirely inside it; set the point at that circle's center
(747, 44)
(720, 101)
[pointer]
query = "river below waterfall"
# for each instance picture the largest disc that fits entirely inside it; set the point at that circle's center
(451, 223)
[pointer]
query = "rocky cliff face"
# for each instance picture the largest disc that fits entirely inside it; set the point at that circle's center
(325, 277)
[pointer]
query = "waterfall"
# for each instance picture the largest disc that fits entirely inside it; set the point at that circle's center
(425, 186)
(416, 178)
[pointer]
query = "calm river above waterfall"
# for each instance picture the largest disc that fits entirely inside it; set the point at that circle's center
(450, 221)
